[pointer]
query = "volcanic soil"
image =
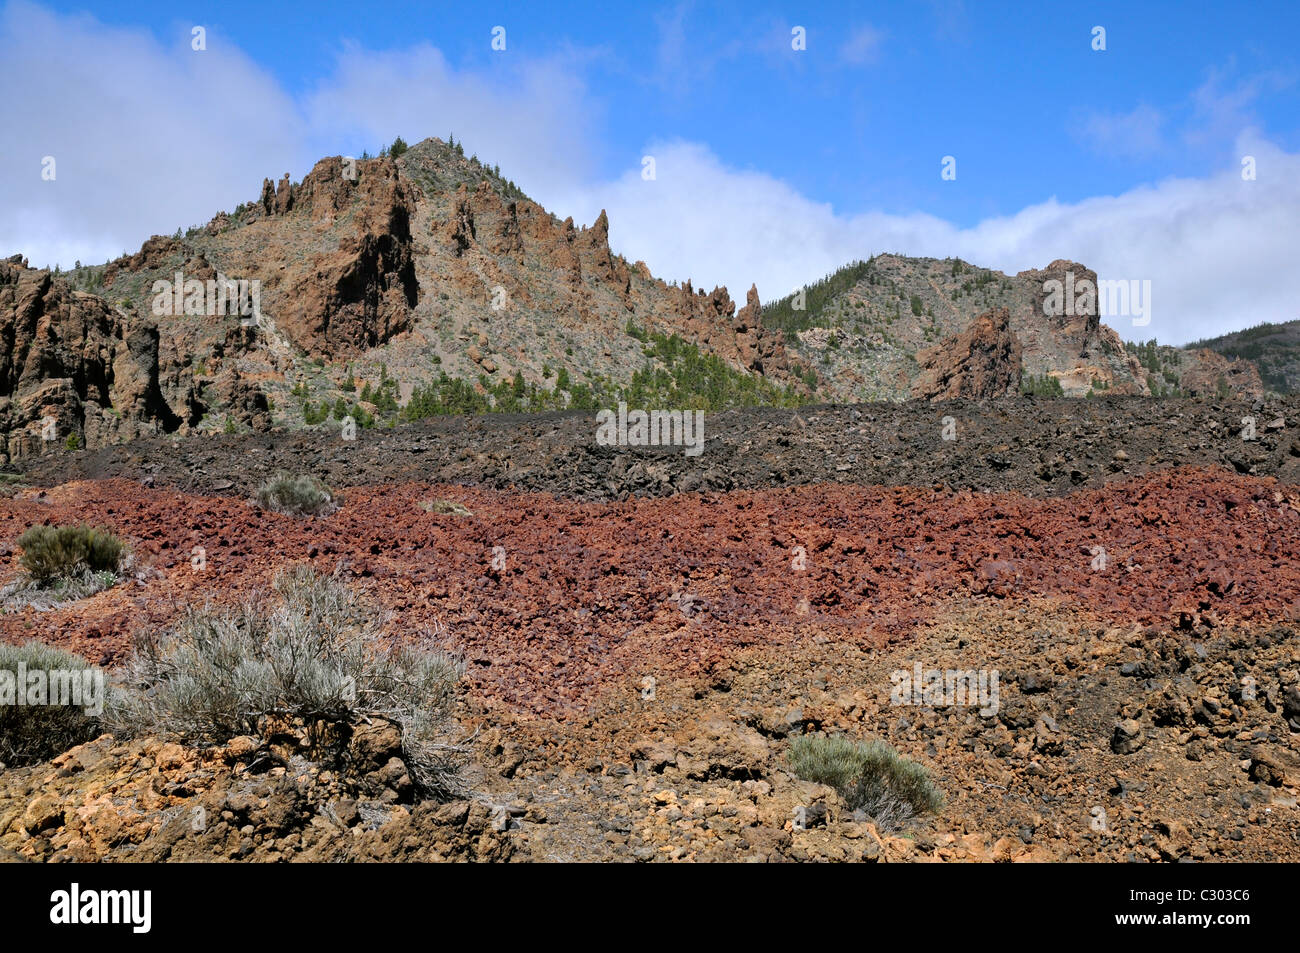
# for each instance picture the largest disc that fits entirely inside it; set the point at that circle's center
(645, 631)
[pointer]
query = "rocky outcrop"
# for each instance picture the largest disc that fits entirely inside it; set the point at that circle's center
(284, 196)
(334, 303)
(570, 299)
(333, 256)
(245, 402)
(278, 796)
(1209, 374)
(982, 362)
(1066, 296)
(761, 350)
(512, 240)
(570, 263)
(72, 366)
(463, 234)
(157, 252)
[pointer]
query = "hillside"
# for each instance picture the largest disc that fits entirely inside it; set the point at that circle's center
(888, 328)
(423, 282)
(1274, 348)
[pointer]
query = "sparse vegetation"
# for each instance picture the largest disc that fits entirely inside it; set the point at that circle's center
(1044, 386)
(675, 374)
(301, 495)
(51, 553)
(783, 315)
(62, 564)
(33, 733)
(1275, 348)
(313, 650)
(871, 777)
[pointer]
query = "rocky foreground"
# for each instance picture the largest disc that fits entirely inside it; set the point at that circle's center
(637, 664)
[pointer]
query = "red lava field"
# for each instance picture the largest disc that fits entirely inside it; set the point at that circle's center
(599, 595)
(637, 671)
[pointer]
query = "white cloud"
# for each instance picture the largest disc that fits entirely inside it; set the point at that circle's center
(1223, 108)
(1134, 134)
(1218, 251)
(532, 119)
(149, 136)
(145, 137)
(862, 47)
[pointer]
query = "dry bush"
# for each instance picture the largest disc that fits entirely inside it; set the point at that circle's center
(311, 649)
(33, 733)
(301, 495)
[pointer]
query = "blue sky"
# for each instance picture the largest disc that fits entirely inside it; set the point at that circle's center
(774, 165)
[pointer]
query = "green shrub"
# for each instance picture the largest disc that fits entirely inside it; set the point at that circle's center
(301, 495)
(360, 416)
(33, 733)
(871, 777)
(311, 650)
(51, 553)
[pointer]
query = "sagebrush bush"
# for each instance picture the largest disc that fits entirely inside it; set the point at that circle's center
(871, 777)
(301, 495)
(63, 552)
(34, 733)
(311, 649)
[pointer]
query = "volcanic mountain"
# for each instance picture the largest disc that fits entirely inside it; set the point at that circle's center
(894, 328)
(423, 282)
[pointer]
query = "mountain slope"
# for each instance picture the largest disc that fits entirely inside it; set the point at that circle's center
(1274, 348)
(427, 276)
(423, 282)
(865, 327)
(875, 330)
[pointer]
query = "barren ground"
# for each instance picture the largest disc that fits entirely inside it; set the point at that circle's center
(771, 585)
